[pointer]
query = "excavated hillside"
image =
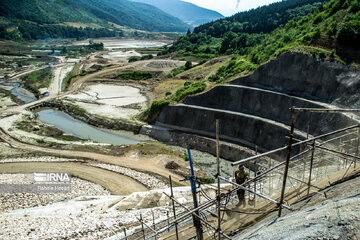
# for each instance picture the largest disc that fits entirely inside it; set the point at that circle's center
(254, 110)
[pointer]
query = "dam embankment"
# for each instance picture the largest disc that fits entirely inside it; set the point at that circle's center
(254, 110)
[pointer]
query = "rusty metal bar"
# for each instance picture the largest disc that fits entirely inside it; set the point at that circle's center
(301, 181)
(311, 166)
(258, 194)
(357, 146)
(142, 226)
(293, 120)
(174, 211)
(218, 182)
(168, 221)
(295, 144)
(337, 152)
(143, 223)
(325, 110)
(206, 222)
(154, 226)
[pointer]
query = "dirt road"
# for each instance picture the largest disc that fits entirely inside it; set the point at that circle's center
(117, 184)
(154, 165)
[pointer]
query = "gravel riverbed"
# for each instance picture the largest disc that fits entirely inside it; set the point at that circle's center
(13, 201)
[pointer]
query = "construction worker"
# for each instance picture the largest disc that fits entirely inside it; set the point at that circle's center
(241, 176)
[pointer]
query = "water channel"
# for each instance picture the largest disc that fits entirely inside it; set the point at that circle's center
(15, 89)
(80, 129)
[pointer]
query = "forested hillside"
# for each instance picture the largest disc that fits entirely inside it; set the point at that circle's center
(331, 31)
(188, 12)
(36, 19)
(243, 30)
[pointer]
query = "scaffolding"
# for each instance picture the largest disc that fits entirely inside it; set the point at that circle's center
(273, 188)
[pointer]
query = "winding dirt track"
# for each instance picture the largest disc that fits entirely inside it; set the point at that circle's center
(154, 165)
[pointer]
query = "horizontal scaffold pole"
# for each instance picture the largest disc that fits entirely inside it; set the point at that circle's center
(295, 144)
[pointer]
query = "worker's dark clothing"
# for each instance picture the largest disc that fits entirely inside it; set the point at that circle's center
(240, 177)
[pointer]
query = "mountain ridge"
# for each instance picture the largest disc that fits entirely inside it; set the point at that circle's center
(40, 13)
(187, 12)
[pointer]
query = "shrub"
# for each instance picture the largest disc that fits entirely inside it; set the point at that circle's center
(133, 59)
(146, 57)
(153, 112)
(190, 88)
(135, 75)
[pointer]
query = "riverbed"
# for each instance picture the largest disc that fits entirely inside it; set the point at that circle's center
(16, 89)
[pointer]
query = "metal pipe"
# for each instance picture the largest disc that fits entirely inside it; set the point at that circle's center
(168, 221)
(143, 223)
(186, 208)
(174, 211)
(218, 174)
(357, 146)
(311, 166)
(337, 152)
(154, 226)
(197, 222)
(142, 226)
(258, 194)
(295, 144)
(293, 119)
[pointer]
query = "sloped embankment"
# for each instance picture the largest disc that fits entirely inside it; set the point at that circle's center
(254, 110)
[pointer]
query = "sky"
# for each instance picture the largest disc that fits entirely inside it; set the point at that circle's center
(230, 7)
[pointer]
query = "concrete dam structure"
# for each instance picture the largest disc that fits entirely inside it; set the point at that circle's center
(254, 110)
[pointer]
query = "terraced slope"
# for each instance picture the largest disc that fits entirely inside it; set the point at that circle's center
(254, 110)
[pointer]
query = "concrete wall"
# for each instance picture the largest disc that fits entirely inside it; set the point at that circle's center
(308, 77)
(234, 127)
(270, 105)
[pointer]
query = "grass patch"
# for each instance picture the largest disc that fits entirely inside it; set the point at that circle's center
(134, 75)
(37, 79)
(190, 88)
(235, 66)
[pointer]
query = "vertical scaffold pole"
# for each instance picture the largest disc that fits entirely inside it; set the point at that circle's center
(154, 226)
(311, 166)
(197, 222)
(125, 233)
(173, 204)
(142, 226)
(357, 146)
(168, 220)
(256, 153)
(217, 175)
(292, 129)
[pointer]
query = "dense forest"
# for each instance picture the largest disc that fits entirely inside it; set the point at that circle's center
(331, 31)
(38, 19)
(32, 31)
(243, 30)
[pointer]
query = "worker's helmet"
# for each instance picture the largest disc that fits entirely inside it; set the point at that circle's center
(241, 166)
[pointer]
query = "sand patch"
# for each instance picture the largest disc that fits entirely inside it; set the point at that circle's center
(111, 100)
